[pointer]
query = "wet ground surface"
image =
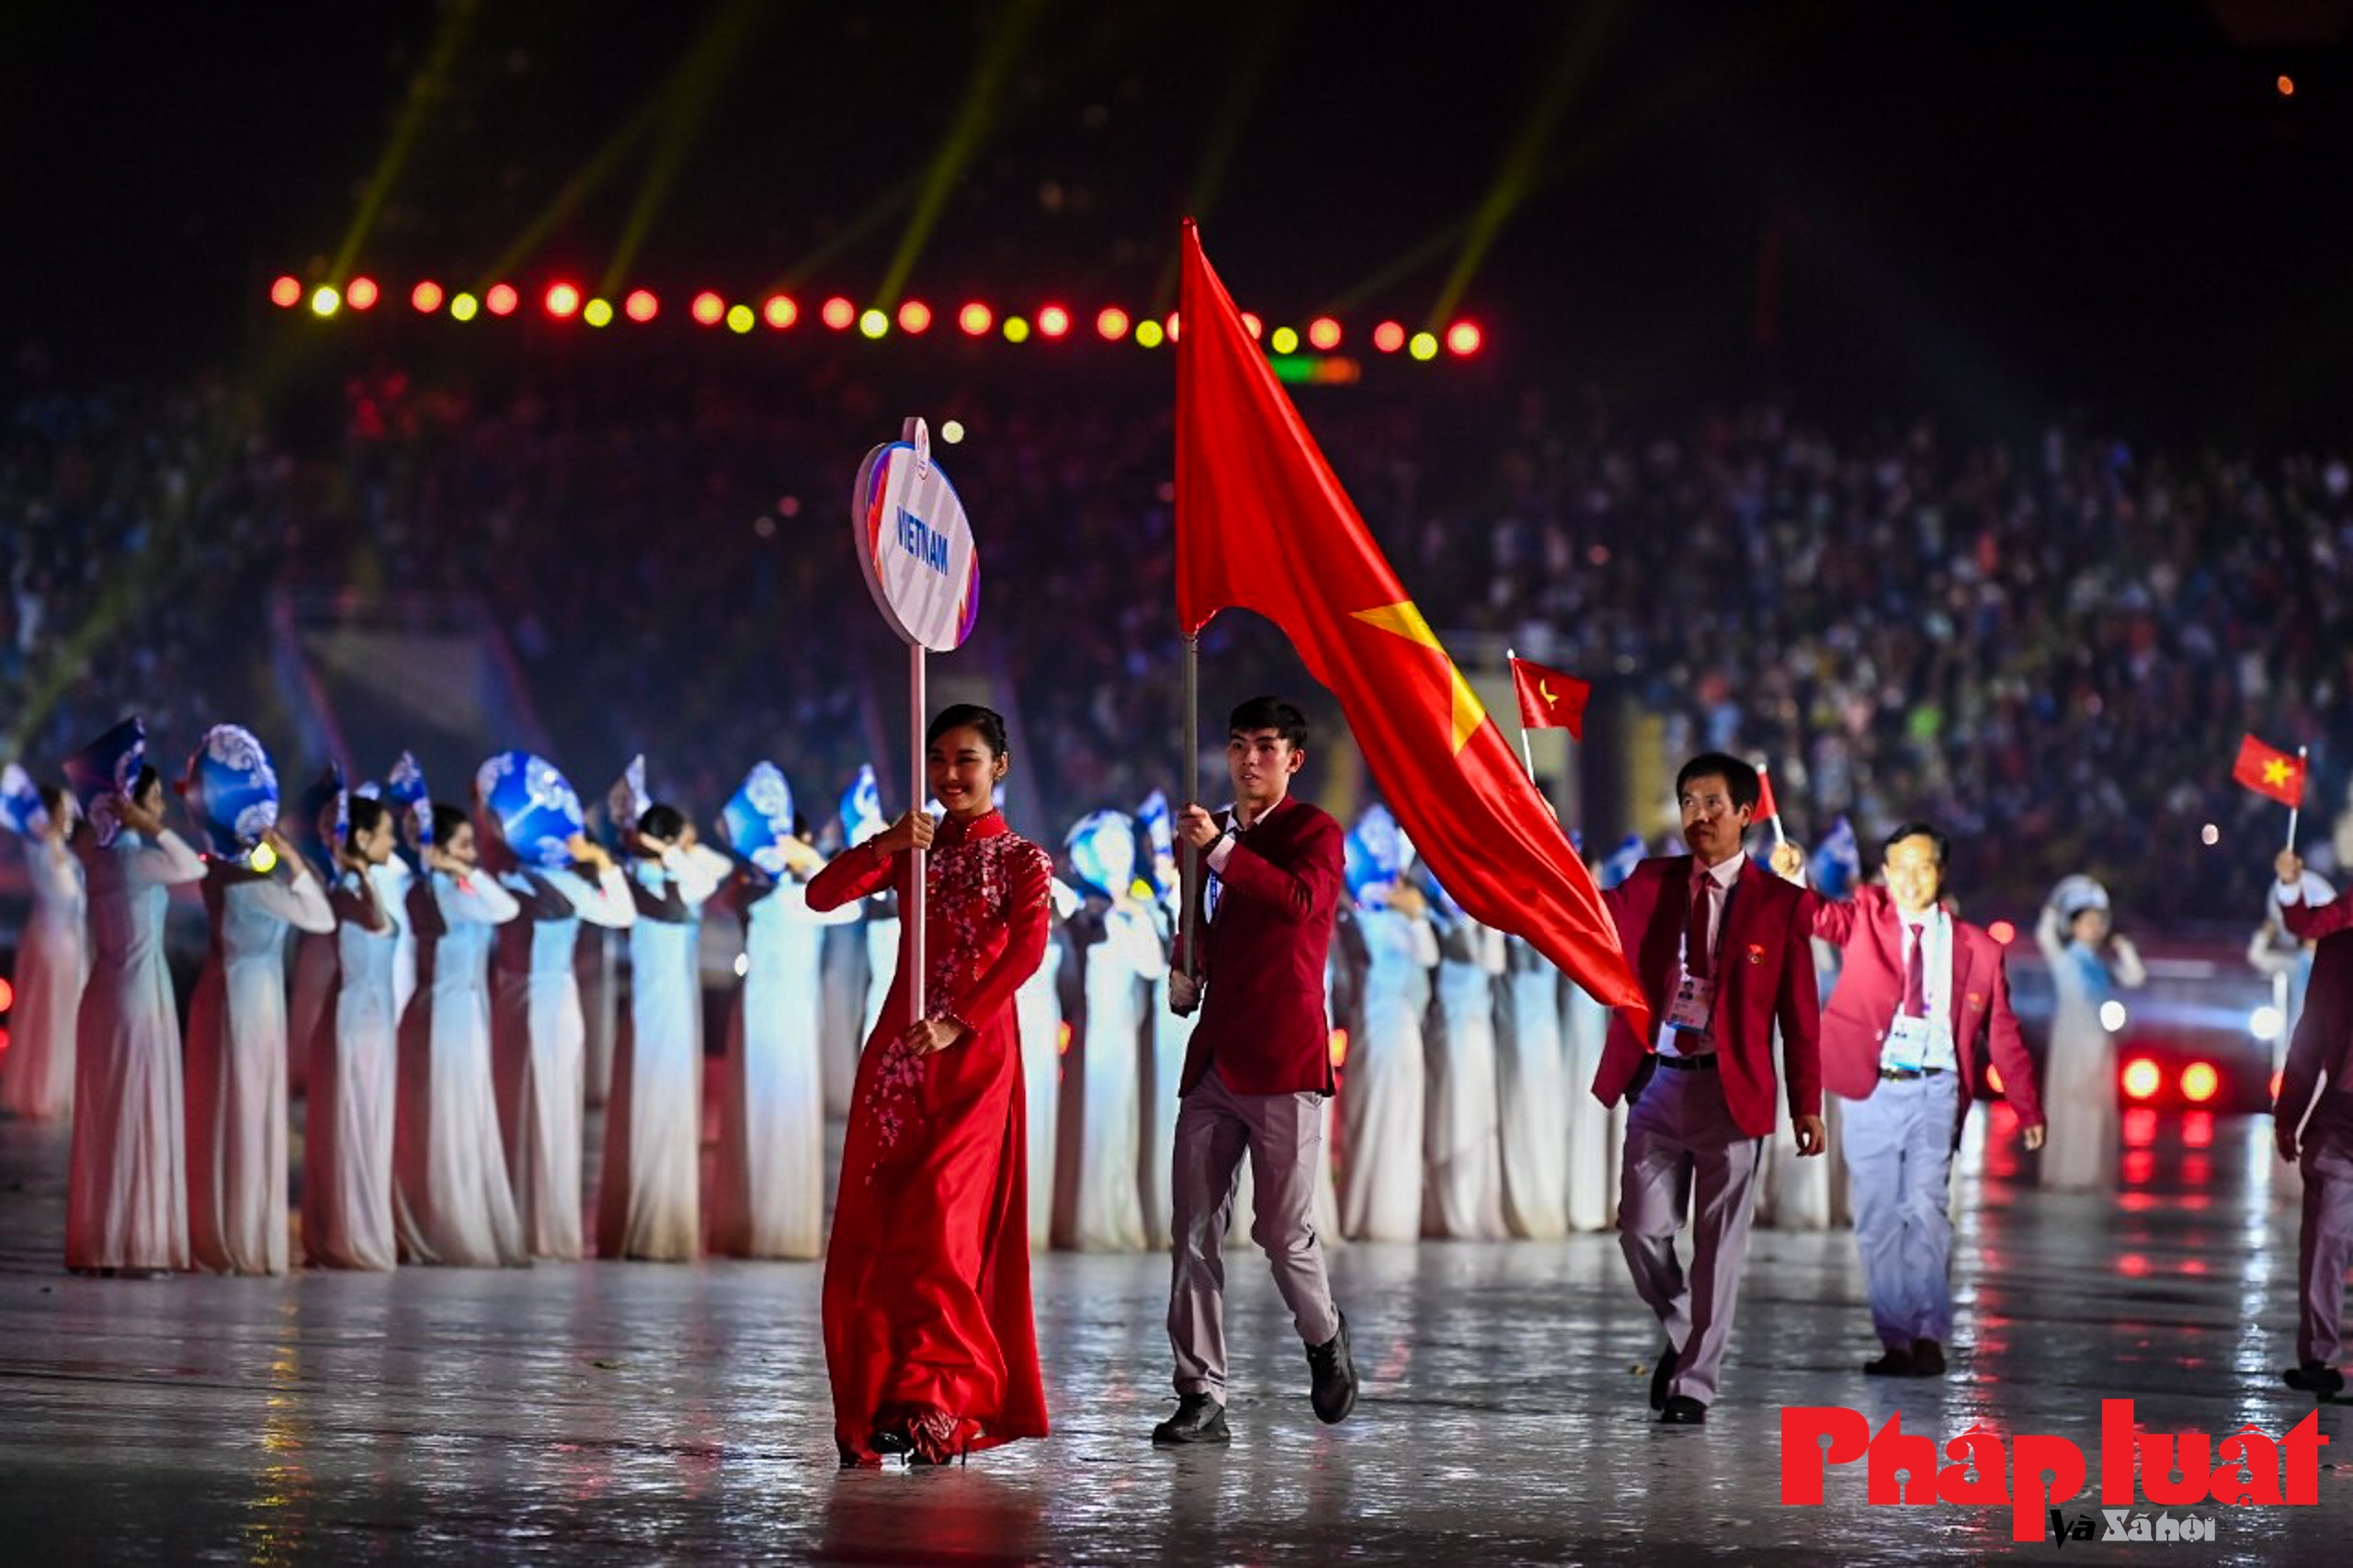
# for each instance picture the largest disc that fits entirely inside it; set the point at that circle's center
(630, 1413)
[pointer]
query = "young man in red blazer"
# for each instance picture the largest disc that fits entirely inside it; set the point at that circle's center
(1257, 1070)
(2313, 1121)
(1921, 996)
(1722, 953)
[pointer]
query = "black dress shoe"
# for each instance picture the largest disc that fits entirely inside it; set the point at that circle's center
(1662, 1375)
(1334, 1393)
(1894, 1364)
(1199, 1419)
(2315, 1378)
(1682, 1410)
(1928, 1358)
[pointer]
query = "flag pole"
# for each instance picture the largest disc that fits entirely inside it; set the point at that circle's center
(2297, 810)
(1188, 932)
(1527, 753)
(911, 920)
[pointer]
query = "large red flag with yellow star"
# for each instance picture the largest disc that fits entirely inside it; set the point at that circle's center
(1263, 525)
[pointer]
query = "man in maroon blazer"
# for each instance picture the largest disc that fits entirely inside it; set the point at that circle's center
(1258, 1068)
(1921, 995)
(2313, 1121)
(1722, 954)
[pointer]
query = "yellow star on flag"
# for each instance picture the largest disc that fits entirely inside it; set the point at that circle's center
(1404, 620)
(2275, 771)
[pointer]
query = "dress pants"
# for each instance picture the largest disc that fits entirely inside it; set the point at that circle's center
(1683, 1149)
(1898, 1146)
(2324, 1246)
(1283, 1137)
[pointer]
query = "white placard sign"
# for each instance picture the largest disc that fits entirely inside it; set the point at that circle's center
(916, 544)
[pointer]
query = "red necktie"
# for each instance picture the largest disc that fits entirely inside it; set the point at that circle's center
(1696, 955)
(1915, 976)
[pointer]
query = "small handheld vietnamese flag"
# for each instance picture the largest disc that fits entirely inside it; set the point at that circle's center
(2270, 772)
(1766, 806)
(1548, 700)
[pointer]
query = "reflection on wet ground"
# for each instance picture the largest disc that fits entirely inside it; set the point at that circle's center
(633, 1411)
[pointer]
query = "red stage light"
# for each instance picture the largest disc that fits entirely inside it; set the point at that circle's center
(975, 319)
(641, 305)
(839, 314)
(780, 310)
(1389, 337)
(2287, 86)
(2201, 1082)
(1462, 337)
(1250, 324)
(2002, 932)
(564, 301)
(1053, 320)
(1993, 1078)
(1112, 322)
(913, 316)
(7, 995)
(1323, 332)
(1339, 1048)
(708, 308)
(1173, 324)
(361, 294)
(286, 293)
(500, 299)
(2141, 1078)
(425, 297)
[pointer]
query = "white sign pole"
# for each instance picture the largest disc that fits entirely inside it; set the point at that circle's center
(911, 921)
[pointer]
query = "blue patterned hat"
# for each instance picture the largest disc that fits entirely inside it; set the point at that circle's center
(861, 808)
(232, 789)
(101, 774)
(1375, 851)
(313, 834)
(1837, 863)
(1623, 860)
(20, 808)
(1103, 852)
(758, 818)
(404, 786)
(535, 807)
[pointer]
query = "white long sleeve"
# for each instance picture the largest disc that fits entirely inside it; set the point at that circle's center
(699, 872)
(478, 900)
(605, 901)
(299, 900)
(165, 859)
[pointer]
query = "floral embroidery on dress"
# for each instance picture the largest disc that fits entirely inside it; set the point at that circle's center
(970, 883)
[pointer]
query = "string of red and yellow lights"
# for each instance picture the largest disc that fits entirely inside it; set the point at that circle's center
(564, 302)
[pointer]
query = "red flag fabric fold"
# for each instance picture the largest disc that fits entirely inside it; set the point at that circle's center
(1767, 807)
(2269, 771)
(1263, 525)
(1550, 700)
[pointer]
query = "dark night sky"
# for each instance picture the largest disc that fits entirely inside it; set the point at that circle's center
(1986, 205)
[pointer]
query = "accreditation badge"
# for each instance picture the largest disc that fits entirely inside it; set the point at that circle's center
(1694, 1005)
(1907, 1044)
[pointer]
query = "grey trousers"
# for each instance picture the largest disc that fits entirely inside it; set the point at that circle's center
(1283, 1136)
(1684, 1148)
(2324, 1246)
(1899, 1158)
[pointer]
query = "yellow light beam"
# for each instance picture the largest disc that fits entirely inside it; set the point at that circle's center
(423, 89)
(582, 185)
(693, 89)
(1266, 40)
(1573, 62)
(973, 118)
(892, 201)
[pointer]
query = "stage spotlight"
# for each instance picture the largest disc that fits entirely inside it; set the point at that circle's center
(839, 314)
(780, 310)
(361, 294)
(425, 297)
(1053, 320)
(564, 301)
(286, 293)
(913, 316)
(2287, 86)
(1112, 322)
(741, 319)
(2201, 1082)
(2141, 1079)
(463, 306)
(323, 299)
(263, 859)
(1284, 341)
(1250, 324)
(500, 298)
(641, 305)
(1173, 323)
(975, 319)
(952, 431)
(708, 308)
(1323, 332)
(1389, 337)
(873, 322)
(1423, 345)
(1149, 333)
(1016, 330)
(1462, 337)
(597, 312)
